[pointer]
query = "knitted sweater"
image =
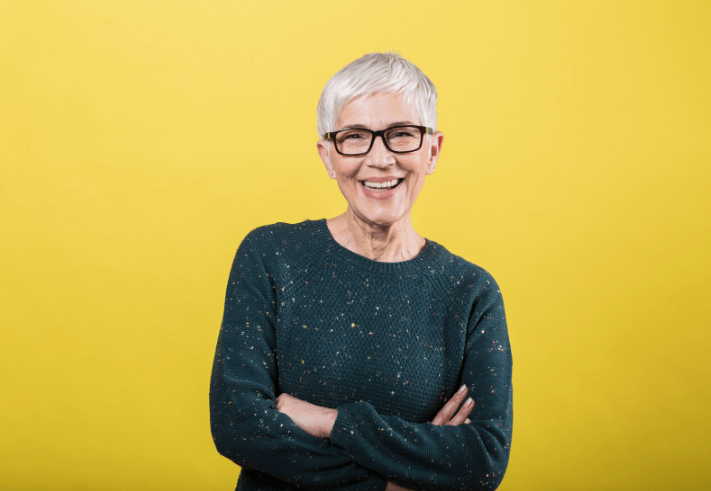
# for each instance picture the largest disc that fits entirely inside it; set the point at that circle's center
(386, 344)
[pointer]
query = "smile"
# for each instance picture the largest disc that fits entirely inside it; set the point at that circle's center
(381, 186)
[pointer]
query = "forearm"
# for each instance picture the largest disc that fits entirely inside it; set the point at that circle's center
(424, 456)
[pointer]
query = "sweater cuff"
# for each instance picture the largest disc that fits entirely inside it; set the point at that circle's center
(344, 433)
(373, 483)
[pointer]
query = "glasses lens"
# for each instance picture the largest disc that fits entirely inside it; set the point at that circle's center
(353, 142)
(404, 138)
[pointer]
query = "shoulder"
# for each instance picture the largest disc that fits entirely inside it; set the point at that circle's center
(461, 277)
(471, 288)
(280, 245)
(281, 236)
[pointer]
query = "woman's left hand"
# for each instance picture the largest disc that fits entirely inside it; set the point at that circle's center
(315, 420)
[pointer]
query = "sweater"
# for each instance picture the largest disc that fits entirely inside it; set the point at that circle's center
(386, 344)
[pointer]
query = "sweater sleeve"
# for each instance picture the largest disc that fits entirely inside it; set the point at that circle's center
(427, 457)
(246, 426)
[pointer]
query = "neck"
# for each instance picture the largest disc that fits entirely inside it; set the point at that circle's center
(390, 243)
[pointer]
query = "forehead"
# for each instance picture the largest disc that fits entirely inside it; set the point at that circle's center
(377, 111)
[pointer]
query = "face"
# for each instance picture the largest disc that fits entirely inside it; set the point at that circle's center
(360, 177)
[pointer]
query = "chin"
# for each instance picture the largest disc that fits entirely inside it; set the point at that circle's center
(381, 218)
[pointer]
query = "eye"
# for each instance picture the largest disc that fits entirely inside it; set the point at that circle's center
(402, 133)
(352, 137)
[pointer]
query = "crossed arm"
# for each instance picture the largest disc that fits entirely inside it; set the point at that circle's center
(318, 421)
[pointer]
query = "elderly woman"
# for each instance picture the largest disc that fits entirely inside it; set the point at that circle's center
(343, 338)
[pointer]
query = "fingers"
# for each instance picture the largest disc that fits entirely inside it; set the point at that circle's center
(463, 413)
(445, 414)
(391, 486)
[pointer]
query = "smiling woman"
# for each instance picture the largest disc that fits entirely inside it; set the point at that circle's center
(343, 338)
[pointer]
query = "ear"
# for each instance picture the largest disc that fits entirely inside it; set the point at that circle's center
(435, 148)
(323, 147)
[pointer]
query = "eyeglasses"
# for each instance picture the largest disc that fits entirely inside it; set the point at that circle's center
(359, 141)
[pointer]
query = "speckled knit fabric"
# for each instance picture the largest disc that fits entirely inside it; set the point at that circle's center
(387, 344)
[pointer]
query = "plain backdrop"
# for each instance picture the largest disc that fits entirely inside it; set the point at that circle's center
(140, 141)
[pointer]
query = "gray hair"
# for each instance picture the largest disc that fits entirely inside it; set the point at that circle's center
(373, 73)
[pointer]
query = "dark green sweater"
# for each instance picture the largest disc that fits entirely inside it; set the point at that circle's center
(387, 344)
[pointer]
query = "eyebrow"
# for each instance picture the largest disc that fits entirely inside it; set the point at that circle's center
(359, 126)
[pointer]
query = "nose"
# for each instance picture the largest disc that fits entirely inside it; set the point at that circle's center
(379, 155)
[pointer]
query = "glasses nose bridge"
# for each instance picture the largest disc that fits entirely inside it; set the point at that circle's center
(381, 134)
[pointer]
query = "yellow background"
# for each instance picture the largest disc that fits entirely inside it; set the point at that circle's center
(139, 144)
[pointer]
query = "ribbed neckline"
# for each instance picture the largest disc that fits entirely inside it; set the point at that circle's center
(423, 260)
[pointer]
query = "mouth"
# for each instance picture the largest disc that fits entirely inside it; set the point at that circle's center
(381, 186)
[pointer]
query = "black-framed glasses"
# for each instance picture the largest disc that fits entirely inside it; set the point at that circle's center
(359, 141)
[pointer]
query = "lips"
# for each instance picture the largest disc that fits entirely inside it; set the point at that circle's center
(371, 189)
(379, 184)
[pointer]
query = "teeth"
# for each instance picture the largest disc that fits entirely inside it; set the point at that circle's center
(387, 184)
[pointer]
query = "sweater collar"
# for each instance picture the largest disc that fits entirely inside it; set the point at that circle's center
(424, 260)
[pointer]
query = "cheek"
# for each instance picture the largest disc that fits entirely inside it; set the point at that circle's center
(418, 180)
(346, 174)
(347, 185)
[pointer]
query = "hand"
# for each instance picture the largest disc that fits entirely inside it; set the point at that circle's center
(315, 420)
(444, 417)
(394, 487)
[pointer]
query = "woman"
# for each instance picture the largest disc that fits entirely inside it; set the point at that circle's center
(342, 338)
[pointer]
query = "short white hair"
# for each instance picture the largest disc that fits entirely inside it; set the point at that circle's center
(377, 73)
